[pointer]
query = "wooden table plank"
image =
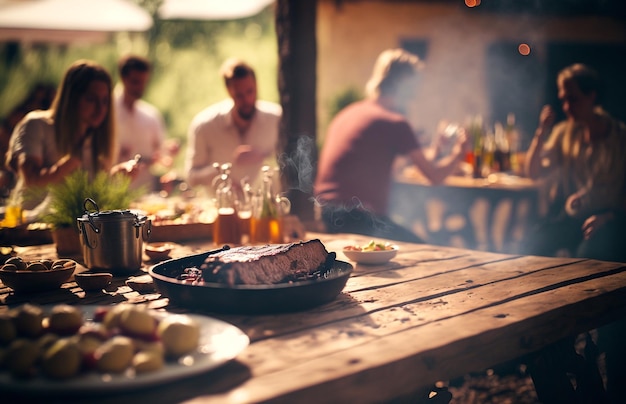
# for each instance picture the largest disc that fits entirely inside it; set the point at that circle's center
(463, 349)
(432, 313)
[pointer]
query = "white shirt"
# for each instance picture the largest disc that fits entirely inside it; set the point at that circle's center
(34, 136)
(213, 137)
(139, 131)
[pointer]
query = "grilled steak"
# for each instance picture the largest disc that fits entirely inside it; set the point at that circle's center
(267, 264)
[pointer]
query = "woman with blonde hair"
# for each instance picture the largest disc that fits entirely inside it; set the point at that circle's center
(75, 133)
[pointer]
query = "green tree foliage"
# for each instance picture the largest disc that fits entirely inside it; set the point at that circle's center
(186, 56)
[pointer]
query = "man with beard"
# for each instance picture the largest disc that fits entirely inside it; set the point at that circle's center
(139, 125)
(240, 130)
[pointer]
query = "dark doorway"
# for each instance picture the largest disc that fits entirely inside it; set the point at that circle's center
(515, 84)
(609, 60)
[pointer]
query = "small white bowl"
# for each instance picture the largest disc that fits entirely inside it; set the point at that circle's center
(371, 257)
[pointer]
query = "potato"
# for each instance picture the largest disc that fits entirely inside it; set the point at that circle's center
(115, 355)
(62, 360)
(180, 335)
(137, 321)
(65, 319)
(21, 357)
(8, 331)
(28, 320)
(147, 361)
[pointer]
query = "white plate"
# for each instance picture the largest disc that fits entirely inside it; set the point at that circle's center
(371, 257)
(219, 343)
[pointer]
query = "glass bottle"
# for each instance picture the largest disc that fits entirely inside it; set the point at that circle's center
(477, 133)
(488, 154)
(512, 135)
(502, 151)
(226, 225)
(244, 210)
(265, 224)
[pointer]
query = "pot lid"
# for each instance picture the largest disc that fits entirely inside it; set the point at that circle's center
(112, 215)
(109, 215)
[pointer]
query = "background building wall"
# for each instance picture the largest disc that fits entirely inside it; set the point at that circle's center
(463, 76)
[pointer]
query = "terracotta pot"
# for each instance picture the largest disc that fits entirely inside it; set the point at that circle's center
(67, 242)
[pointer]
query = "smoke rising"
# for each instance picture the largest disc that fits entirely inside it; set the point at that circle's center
(299, 165)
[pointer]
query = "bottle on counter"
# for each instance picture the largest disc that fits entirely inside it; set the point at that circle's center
(268, 209)
(502, 154)
(244, 210)
(226, 226)
(513, 138)
(488, 154)
(476, 132)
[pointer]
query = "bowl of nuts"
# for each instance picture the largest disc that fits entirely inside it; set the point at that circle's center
(35, 276)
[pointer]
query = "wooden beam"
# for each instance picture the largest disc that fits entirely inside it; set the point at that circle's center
(295, 29)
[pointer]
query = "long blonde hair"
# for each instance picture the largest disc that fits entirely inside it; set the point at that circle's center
(65, 105)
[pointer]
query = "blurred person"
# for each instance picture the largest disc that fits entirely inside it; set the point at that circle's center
(76, 132)
(241, 130)
(363, 141)
(40, 97)
(139, 125)
(582, 158)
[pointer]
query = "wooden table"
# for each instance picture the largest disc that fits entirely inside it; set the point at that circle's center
(490, 214)
(432, 313)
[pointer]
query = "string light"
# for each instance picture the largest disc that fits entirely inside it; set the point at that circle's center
(524, 49)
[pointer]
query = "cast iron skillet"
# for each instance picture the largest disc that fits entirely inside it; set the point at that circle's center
(247, 299)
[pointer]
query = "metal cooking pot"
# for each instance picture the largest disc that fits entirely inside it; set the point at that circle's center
(112, 239)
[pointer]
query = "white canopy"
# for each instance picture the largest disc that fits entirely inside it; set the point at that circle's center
(69, 20)
(211, 9)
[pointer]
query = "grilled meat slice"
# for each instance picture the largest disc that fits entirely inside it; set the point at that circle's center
(267, 264)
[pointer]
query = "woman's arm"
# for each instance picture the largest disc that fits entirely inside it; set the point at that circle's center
(34, 174)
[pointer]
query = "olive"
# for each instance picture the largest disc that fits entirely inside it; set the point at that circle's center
(65, 263)
(36, 266)
(9, 267)
(47, 263)
(18, 262)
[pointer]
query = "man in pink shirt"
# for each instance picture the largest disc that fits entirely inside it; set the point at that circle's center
(355, 165)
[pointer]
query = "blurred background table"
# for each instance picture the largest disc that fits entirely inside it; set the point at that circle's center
(491, 214)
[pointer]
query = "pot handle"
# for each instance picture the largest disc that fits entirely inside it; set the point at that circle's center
(83, 230)
(89, 215)
(143, 226)
(147, 230)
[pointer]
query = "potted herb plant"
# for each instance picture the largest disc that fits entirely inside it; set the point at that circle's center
(66, 204)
